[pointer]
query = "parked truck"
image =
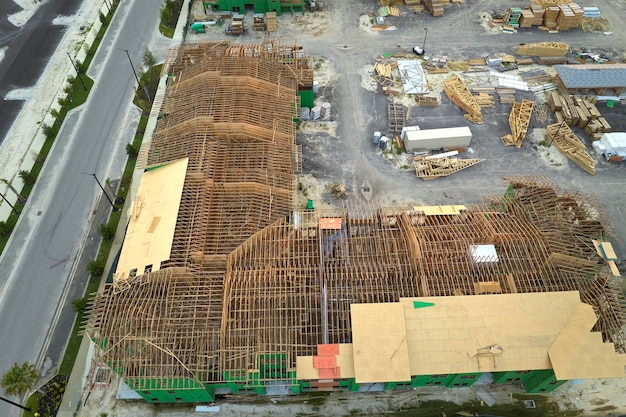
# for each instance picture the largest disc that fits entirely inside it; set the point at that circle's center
(450, 138)
(612, 146)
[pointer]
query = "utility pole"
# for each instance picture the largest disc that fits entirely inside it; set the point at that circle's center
(77, 71)
(130, 61)
(103, 190)
(424, 44)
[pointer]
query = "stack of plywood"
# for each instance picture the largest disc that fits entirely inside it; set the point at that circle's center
(543, 49)
(435, 7)
(271, 24)
(412, 2)
(570, 146)
(570, 16)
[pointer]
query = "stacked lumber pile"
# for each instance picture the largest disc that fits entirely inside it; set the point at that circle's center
(271, 24)
(548, 3)
(570, 16)
(543, 49)
(259, 22)
(390, 2)
(549, 17)
(518, 122)
(570, 146)
(414, 5)
(531, 16)
(484, 100)
(579, 112)
(435, 7)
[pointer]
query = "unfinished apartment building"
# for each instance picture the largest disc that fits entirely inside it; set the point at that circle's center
(223, 286)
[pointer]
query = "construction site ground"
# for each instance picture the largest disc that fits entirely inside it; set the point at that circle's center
(339, 149)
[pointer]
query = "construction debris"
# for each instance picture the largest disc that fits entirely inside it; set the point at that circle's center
(458, 93)
(595, 24)
(337, 190)
(430, 168)
(543, 49)
(518, 121)
(570, 145)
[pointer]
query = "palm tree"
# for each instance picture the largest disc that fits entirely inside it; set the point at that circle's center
(19, 379)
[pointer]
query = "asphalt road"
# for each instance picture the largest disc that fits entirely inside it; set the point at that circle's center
(29, 49)
(45, 247)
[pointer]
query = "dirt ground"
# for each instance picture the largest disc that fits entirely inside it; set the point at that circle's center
(338, 149)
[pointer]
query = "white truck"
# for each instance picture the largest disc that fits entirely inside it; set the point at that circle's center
(612, 146)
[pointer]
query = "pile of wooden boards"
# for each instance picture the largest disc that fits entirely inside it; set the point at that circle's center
(531, 16)
(259, 22)
(543, 49)
(427, 101)
(563, 16)
(570, 146)
(435, 7)
(570, 16)
(414, 5)
(271, 23)
(579, 112)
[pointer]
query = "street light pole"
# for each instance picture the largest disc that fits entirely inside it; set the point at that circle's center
(130, 61)
(102, 188)
(16, 404)
(77, 71)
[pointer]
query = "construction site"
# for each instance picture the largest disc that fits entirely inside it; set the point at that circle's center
(225, 285)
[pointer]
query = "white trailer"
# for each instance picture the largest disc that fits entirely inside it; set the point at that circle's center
(449, 138)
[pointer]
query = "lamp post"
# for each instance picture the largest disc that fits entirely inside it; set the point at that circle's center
(77, 71)
(10, 205)
(15, 404)
(130, 61)
(102, 188)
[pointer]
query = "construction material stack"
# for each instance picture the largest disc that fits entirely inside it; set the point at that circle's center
(531, 16)
(271, 24)
(570, 16)
(513, 17)
(435, 7)
(259, 22)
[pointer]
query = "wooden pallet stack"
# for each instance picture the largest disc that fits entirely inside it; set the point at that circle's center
(271, 24)
(570, 146)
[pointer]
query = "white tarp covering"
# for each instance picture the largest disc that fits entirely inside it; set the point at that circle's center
(412, 75)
